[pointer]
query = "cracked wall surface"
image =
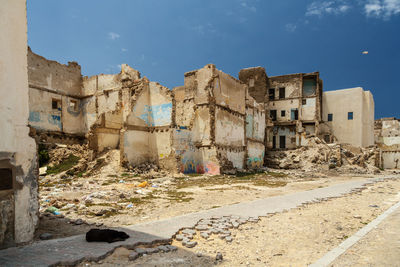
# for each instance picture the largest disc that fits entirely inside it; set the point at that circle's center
(19, 201)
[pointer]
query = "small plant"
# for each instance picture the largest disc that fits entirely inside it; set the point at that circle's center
(66, 164)
(43, 155)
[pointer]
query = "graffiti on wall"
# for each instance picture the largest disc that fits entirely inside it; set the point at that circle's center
(192, 160)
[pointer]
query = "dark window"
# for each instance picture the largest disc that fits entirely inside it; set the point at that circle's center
(282, 141)
(327, 139)
(271, 93)
(282, 93)
(6, 179)
(56, 104)
(283, 113)
(350, 115)
(73, 104)
(274, 142)
(294, 114)
(304, 102)
(272, 114)
(330, 117)
(309, 86)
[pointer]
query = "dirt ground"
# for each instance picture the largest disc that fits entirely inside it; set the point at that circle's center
(111, 197)
(294, 238)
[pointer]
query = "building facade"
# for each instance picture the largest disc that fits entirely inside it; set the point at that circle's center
(349, 113)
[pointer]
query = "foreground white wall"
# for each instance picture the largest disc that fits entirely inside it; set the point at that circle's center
(17, 149)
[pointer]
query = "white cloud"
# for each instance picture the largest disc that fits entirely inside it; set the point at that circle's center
(124, 49)
(382, 8)
(247, 6)
(204, 29)
(290, 27)
(320, 8)
(113, 35)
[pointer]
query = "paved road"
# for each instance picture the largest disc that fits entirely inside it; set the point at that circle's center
(72, 250)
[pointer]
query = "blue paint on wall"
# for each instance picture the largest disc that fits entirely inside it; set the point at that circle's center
(34, 116)
(157, 115)
(249, 125)
(55, 120)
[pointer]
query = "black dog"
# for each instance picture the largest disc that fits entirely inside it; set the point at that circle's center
(105, 235)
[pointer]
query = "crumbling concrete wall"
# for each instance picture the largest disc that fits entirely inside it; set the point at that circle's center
(55, 92)
(257, 81)
(150, 119)
(255, 133)
(210, 119)
(358, 131)
(18, 161)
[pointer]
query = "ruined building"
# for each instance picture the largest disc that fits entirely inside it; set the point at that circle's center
(18, 161)
(387, 137)
(298, 108)
(209, 125)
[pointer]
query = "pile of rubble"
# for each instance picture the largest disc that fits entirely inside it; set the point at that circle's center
(59, 153)
(320, 156)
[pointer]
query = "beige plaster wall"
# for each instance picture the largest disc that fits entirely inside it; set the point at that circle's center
(16, 146)
(52, 75)
(359, 131)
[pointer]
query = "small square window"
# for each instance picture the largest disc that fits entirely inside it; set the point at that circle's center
(56, 104)
(271, 93)
(73, 104)
(330, 117)
(304, 101)
(283, 113)
(350, 115)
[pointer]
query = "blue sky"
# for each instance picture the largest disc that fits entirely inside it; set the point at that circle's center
(163, 39)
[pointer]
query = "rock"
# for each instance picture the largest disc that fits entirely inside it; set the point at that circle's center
(46, 236)
(172, 248)
(201, 227)
(133, 256)
(189, 232)
(219, 257)
(78, 222)
(228, 239)
(152, 250)
(189, 236)
(235, 224)
(357, 217)
(223, 236)
(204, 235)
(99, 224)
(140, 251)
(189, 244)
(163, 248)
(179, 237)
(122, 195)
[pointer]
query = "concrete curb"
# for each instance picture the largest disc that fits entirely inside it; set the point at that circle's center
(332, 255)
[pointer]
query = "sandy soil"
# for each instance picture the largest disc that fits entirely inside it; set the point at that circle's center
(294, 238)
(112, 198)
